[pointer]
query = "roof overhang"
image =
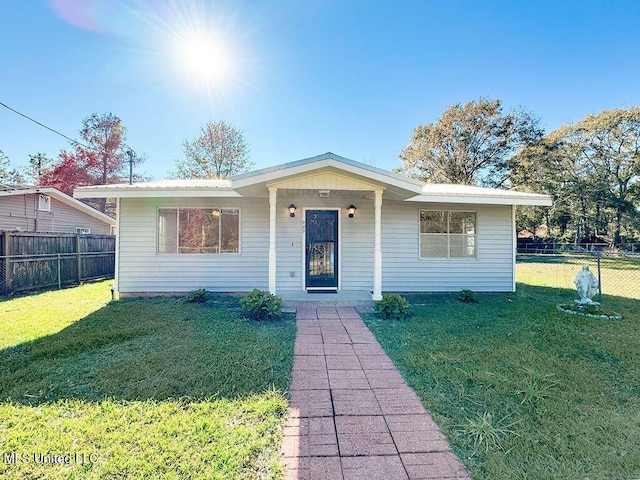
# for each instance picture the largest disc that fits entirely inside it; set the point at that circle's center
(326, 171)
(61, 197)
(160, 189)
(466, 194)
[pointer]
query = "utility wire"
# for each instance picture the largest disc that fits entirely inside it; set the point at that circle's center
(44, 126)
(130, 152)
(54, 130)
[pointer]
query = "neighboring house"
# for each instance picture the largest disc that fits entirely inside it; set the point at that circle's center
(47, 209)
(324, 223)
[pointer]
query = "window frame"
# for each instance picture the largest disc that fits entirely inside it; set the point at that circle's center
(177, 232)
(448, 235)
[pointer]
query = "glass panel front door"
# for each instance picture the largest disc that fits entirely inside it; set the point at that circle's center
(321, 245)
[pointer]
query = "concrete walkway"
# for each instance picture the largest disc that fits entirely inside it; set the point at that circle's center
(353, 416)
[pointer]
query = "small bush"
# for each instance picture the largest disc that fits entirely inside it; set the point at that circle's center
(260, 305)
(392, 307)
(467, 296)
(197, 296)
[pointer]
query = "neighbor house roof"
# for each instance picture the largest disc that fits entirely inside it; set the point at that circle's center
(13, 190)
(256, 183)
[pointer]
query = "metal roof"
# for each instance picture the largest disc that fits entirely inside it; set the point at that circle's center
(254, 184)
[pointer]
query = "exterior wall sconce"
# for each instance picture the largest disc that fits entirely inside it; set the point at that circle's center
(352, 210)
(292, 210)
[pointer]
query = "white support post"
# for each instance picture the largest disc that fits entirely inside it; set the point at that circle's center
(377, 251)
(514, 239)
(273, 196)
(116, 273)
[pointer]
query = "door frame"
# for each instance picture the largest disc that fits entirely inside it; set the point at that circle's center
(304, 251)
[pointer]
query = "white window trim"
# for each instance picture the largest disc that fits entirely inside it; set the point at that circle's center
(44, 203)
(448, 235)
(177, 253)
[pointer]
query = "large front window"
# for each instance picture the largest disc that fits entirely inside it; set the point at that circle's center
(198, 230)
(447, 234)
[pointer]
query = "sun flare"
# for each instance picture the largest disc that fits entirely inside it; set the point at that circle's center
(205, 59)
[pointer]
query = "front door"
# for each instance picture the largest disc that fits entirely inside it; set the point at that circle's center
(321, 247)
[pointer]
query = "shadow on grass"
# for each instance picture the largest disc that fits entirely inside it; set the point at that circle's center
(153, 348)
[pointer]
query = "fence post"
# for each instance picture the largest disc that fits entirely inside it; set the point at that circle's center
(59, 279)
(78, 259)
(7, 270)
(598, 255)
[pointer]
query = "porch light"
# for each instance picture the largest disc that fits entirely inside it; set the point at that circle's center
(352, 210)
(292, 210)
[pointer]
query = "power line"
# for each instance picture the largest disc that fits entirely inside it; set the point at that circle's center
(44, 126)
(131, 153)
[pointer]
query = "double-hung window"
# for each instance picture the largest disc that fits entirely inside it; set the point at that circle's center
(447, 234)
(199, 230)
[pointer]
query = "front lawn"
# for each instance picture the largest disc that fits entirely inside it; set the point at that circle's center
(140, 388)
(521, 390)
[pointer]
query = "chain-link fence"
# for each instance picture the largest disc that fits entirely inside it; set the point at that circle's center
(19, 273)
(618, 273)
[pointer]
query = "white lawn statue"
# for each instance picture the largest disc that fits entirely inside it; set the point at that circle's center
(587, 285)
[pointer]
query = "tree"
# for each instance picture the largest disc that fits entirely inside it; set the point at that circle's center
(69, 172)
(4, 167)
(220, 151)
(592, 168)
(469, 144)
(100, 160)
(608, 145)
(548, 166)
(9, 175)
(39, 164)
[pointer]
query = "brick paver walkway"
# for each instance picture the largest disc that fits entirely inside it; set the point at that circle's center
(353, 416)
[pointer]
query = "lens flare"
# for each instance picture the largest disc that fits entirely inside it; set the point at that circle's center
(205, 59)
(199, 45)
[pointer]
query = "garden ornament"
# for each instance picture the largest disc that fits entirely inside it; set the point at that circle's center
(587, 285)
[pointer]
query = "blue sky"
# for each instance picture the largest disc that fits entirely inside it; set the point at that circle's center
(305, 77)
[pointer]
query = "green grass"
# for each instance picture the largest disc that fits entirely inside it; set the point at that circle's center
(29, 317)
(154, 388)
(521, 390)
(620, 276)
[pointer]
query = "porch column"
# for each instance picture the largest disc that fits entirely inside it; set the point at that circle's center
(377, 249)
(273, 197)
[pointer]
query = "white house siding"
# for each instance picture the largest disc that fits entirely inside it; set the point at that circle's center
(143, 270)
(403, 270)
(20, 212)
(17, 212)
(355, 242)
(64, 218)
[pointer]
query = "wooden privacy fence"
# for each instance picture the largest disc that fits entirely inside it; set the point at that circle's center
(30, 261)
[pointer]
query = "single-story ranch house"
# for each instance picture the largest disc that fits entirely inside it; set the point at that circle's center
(319, 224)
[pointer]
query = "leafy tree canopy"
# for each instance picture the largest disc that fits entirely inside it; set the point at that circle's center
(592, 168)
(9, 175)
(99, 161)
(469, 144)
(220, 151)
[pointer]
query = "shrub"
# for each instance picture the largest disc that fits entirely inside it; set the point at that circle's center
(467, 296)
(260, 305)
(197, 296)
(392, 307)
